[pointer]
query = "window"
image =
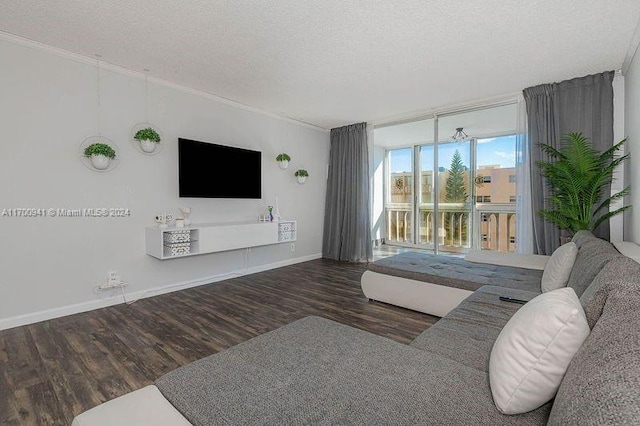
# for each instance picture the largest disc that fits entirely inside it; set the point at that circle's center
(472, 179)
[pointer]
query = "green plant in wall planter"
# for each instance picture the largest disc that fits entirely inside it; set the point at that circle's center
(302, 175)
(148, 139)
(283, 160)
(100, 155)
(577, 176)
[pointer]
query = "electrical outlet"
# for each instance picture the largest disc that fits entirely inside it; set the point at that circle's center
(113, 278)
(293, 246)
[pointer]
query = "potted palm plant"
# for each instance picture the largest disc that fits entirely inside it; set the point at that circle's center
(302, 175)
(283, 160)
(148, 139)
(577, 176)
(100, 155)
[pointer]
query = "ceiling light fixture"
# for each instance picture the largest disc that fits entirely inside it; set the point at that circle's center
(459, 135)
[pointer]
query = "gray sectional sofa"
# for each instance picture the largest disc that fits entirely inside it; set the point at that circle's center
(316, 371)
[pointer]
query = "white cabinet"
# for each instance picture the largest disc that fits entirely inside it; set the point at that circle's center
(174, 242)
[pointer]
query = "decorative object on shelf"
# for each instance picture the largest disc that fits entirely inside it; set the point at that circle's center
(302, 175)
(286, 231)
(179, 222)
(177, 249)
(283, 160)
(145, 136)
(276, 214)
(100, 155)
(270, 208)
(97, 152)
(148, 139)
(186, 211)
(176, 242)
(181, 236)
(163, 220)
(459, 135)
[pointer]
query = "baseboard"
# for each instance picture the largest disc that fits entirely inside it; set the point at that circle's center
(91, 305)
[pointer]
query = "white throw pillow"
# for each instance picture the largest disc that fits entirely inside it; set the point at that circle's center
(556, 272)
(534, 349)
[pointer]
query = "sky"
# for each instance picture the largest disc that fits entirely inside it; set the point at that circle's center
(491, 151)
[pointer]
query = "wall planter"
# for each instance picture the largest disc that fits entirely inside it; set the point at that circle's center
(283, 160)
(146, 138)
(301, 175)
(99, 154)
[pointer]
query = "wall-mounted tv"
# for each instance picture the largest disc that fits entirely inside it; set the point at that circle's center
(207, 170)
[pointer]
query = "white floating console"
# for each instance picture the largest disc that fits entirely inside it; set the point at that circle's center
(175, 242)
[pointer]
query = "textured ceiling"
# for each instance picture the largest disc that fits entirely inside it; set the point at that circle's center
(336, 62)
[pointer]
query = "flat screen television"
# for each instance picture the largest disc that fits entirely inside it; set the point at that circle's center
(207, 170)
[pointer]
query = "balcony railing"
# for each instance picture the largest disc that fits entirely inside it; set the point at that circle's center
(492, 226)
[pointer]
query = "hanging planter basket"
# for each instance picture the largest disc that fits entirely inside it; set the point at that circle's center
(283, 160)
(147, 138)
(301, 175)
(99, 154)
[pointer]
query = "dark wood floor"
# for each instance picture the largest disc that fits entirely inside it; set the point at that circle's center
(54, 370)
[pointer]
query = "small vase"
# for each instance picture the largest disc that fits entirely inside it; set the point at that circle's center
(99, 161)
(283, 164)
(147, 145)
(302, 179)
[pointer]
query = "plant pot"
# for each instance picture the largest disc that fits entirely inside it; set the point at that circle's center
(147, 145)
(301, 179)
(99, 161)
(283, 164)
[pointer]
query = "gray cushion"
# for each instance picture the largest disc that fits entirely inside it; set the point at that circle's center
(618, 272)
(602, 383)
(316, 371)
(591, 258)
(582, 237)
(468, 332)
(456, 272)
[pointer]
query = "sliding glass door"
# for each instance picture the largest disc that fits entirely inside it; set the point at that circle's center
(426, 201)
(458, 193)
(454, 204)
(399, 206)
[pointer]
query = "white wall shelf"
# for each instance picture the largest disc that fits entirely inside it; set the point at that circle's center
(172, 242)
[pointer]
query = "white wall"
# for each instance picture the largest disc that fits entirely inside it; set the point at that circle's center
(377, 193)
(616, 223)
(632, 131)
(48, 106)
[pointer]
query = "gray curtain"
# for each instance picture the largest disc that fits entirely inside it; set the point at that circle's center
(583, 105)
(347, 218)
